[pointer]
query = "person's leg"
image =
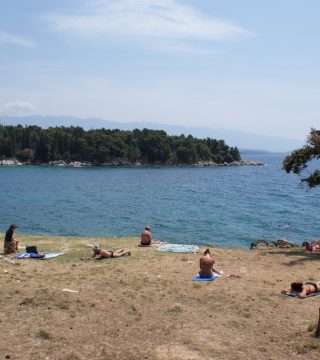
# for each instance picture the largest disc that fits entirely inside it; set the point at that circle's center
(126, 251)
(121, 252)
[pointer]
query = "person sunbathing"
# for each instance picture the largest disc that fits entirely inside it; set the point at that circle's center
(303, 289)
(206, 265)
(99, 253)
(146, 239)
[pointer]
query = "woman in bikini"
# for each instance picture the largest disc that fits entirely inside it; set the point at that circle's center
(99, 253)
(303, 289)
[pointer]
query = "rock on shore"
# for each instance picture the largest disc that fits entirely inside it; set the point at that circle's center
(10, 162)
(234, 163)
(264, 244)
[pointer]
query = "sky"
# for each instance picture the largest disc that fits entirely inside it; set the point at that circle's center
(234, 64)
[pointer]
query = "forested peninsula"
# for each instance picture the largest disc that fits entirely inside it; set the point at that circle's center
(37, 146)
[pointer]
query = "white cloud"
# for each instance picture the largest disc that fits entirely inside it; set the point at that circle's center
(143, 19)
(16, 40)
(17, 108)
(182, 47)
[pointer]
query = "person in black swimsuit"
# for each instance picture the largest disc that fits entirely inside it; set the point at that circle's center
(99, 253)
(146, 239)
(303, 289)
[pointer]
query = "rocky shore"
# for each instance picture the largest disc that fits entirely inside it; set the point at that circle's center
(10, 162)
(234, 163)
(282, 244)
(120, 162)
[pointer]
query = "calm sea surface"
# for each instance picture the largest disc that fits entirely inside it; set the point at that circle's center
(224, 206)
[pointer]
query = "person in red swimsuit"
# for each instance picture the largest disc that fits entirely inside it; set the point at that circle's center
(303, 289)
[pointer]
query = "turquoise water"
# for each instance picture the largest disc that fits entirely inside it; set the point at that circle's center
(224, 206)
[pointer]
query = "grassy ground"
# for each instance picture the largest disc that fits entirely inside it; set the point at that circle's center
(146, 307)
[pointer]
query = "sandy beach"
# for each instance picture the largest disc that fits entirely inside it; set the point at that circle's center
(145, 306)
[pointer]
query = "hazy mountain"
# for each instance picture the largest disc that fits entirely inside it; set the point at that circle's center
(241, 139)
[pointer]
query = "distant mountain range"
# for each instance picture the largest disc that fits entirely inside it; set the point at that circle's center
(240, 139)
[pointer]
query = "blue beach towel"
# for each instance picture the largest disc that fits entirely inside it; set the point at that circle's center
(295, 294)
(179, 248)
(205, 278)
(52, 255)
(31, 256)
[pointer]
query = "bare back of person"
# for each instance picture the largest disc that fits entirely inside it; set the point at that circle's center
(145, 238)
(206, 265)
(311, 287)
(104, 254)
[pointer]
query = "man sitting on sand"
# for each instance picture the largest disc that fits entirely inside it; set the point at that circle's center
(99, 253)
(206, 265)
(303, 290)
(10, 244)
(146, 239)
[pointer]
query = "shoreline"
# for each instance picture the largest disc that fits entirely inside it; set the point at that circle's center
(121, 163)
(259, 244)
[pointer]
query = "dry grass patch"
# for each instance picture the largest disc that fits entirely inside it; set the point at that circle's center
(150, 295)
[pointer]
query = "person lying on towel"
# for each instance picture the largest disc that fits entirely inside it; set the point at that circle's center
(99, 253)
(303, 289)
(206, 265)
(146, 239)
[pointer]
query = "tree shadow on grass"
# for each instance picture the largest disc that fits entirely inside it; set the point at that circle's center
(304, 256)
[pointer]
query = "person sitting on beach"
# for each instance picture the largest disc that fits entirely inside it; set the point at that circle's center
(314, 246)
(146, 239)
(303, 289)
(99, 253)
(10, 244)
(206, 265)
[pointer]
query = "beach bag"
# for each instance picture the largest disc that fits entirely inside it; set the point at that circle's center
(37, 256)
(31, 250)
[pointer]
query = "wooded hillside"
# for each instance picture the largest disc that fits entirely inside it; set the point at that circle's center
(35, 145)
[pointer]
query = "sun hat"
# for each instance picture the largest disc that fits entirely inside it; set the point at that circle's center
(96, 246)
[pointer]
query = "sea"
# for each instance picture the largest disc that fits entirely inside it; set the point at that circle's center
(221, 206)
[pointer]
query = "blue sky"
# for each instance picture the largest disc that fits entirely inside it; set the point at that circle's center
(234, 64)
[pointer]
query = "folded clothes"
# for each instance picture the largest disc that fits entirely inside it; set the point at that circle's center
(234, 276)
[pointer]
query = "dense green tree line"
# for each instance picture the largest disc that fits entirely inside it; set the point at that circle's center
(36, 145)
